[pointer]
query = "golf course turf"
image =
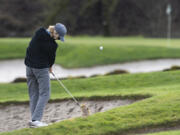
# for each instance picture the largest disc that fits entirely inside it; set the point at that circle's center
(166, 133)
(84, 51)
(160, 108)
(160, 91)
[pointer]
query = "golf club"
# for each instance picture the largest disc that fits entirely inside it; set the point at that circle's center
(84, 109)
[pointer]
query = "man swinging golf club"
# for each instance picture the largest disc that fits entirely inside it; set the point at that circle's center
(40, 57)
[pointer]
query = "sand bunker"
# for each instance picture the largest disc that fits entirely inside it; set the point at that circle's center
(15, 117)
(12, 69)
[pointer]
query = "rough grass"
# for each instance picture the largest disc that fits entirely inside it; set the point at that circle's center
(84, 51)
(114, 85)
(160, 109)
(166, 133)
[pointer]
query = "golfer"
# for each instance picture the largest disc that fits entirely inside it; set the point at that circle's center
(40, 57)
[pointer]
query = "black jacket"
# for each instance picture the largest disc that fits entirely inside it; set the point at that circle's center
(41, 51)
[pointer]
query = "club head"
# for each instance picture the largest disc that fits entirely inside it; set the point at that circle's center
(85, 110)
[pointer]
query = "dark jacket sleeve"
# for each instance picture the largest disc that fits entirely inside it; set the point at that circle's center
(52, 54)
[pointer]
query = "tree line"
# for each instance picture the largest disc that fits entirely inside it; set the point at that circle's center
(93, 17)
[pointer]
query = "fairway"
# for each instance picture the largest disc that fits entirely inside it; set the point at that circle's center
(84, 51)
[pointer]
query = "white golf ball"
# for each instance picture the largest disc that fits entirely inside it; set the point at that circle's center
(101, 47)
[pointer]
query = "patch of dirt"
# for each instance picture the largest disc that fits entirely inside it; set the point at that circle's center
(15, 117)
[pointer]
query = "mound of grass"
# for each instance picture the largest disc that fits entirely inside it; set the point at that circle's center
(113, 85)
(84, 51)
(160, 109)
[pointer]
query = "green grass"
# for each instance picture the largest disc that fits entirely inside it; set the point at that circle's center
(166, 133)
(84, 51)
(160, 109)
(100, 86)
(161, 89)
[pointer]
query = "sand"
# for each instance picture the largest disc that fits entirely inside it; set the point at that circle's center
(15, 117)
(12, 69)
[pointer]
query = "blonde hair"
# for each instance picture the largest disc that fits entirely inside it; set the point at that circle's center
(51, 29)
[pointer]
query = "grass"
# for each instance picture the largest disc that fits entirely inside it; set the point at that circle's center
(97, 86)
(84, 51)
(161, 89)
(166, 133)
(160, 109)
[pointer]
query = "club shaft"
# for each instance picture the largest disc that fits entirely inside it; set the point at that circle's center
(65, 89)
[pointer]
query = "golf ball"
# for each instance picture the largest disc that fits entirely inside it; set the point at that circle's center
(101, 47)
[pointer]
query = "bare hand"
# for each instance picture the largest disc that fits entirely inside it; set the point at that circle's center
(50, 69)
